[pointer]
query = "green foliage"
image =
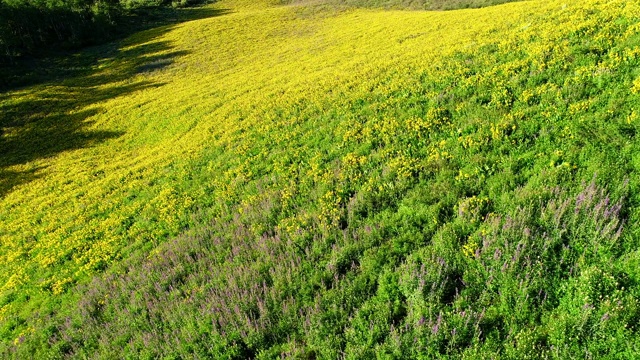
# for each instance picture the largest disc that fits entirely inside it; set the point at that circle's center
(28, 27)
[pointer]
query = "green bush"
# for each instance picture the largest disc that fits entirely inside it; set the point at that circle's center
(27, 27)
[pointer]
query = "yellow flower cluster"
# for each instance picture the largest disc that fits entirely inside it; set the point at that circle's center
(471, 208)
(330, 208)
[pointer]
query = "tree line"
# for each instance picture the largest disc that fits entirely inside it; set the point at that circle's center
(27, 27)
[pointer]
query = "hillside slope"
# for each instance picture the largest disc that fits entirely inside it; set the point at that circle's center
(277, 180)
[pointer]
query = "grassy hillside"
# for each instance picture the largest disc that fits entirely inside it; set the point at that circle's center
(397, 4)
(293, 181)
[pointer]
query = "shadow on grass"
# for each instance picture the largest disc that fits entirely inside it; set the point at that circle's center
(43, 110)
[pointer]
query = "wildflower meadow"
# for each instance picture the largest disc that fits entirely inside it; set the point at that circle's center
(318, 181)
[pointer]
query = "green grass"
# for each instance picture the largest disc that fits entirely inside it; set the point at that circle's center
(294, 181)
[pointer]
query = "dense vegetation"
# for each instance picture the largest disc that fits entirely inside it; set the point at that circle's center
(29, 26)
(315, 182)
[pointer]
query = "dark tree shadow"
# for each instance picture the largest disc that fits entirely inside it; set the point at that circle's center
(41, 109)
